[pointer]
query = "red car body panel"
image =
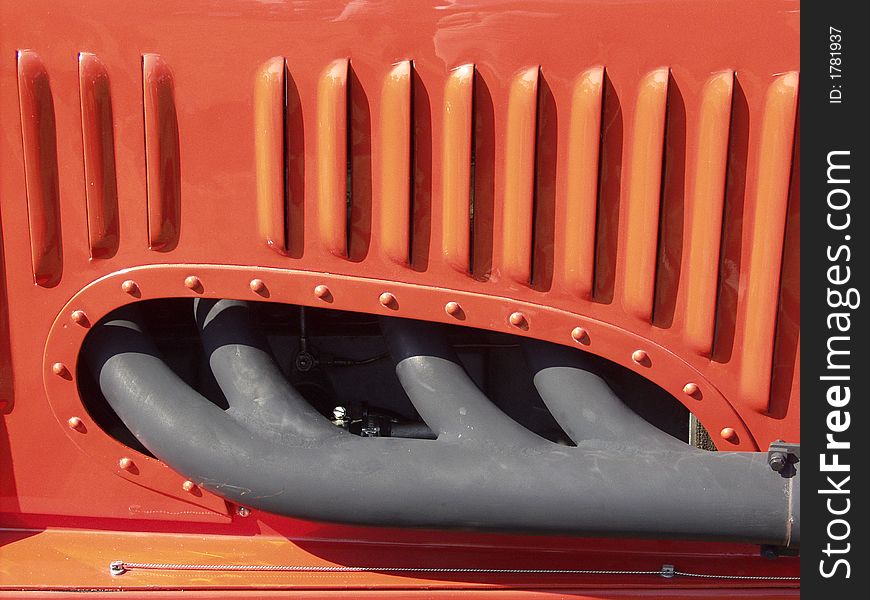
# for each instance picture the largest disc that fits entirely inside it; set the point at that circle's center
(635, 176)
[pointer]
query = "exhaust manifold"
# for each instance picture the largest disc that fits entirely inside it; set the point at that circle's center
(273, 451)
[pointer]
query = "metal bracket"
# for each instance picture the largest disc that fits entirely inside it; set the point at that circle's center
(782, 456)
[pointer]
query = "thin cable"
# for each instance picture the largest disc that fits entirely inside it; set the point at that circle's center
(667, 571)
(747, 577)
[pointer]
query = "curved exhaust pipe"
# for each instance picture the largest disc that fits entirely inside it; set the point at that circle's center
(585, 406)
(272, 451)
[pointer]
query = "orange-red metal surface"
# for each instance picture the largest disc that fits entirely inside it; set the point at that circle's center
(56, 557)
(487, 143)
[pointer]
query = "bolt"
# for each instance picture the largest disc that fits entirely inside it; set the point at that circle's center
(59, 369)
(640, 357)
(453, 308)
(388, 300)
(339, 413)
(130, 287)
(242, 511)
(322, 292)
(188, 486)
(580, 335)
(305, 362)
(192, 282)
(777, 461)
(728, 434)
(126, 464)
(692, 389)
(518, 319)
(258, 286)
(76, 424)
(80, 318)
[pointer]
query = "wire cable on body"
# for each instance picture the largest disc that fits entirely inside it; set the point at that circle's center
(120, 567)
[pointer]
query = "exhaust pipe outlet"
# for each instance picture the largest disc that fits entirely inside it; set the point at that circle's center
(272, 451)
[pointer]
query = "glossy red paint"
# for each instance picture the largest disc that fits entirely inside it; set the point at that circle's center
(530, 593)
(137, 153)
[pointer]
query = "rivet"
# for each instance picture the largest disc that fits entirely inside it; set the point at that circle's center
(76, 424)
(322, 292)
(641, 358)
(242, 511)
(692, 389)
(188, 486)
(453, 309)
(126, 464)
(388, 300)
(580, 335)
(518, 319)
(130, 287)
(79, 318)
(192, 282)
(258, 286)
(59, 369)
(728, 434)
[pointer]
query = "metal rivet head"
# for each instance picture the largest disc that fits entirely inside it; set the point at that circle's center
(75, 424)
(580, 335)
(692, 389)
(640, 357)
(59, 369)
(388, 300)
(130, 287)
(322, 292)
(453, 309)
(192, 282)
(242, 511)
(80, 318)
(126, 464)
(728, 434)
(518, 319)
(188, 486)
(258, 286)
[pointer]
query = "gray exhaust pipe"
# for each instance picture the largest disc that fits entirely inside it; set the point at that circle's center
(271, 451)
